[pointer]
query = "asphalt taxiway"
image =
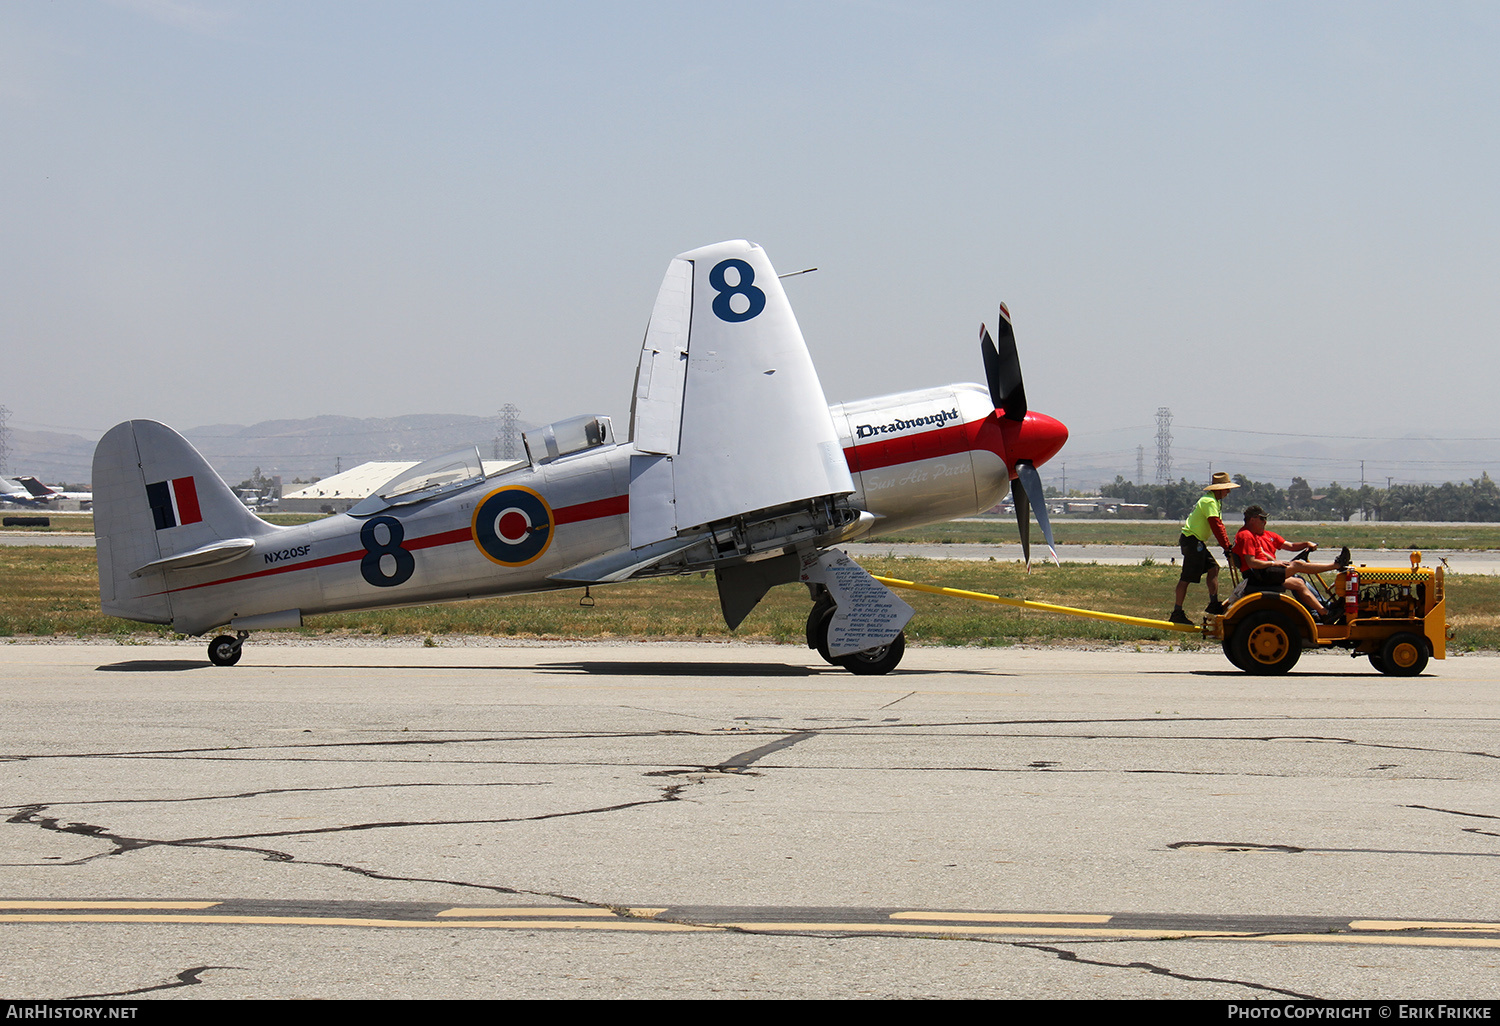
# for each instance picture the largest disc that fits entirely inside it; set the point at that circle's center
(658, 820)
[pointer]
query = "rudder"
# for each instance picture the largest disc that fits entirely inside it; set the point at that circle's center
(156, 498)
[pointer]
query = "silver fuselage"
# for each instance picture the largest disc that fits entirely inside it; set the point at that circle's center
(916, 458)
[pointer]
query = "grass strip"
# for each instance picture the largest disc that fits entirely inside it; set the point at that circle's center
(1389, 534)
(53, 591)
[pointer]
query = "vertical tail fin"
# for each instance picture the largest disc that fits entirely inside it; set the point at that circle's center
(156, 497)
(723, 363)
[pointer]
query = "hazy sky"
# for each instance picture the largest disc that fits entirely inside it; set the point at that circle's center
(1278, 216)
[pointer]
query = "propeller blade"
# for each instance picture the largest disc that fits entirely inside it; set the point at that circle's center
(1002, 367)
(991, 365)
(1023, 519)
(1028, 476)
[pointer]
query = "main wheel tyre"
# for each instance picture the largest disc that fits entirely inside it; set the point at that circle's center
(817, 631)
(1267, 643)
(1404, 655)
(875, 661)
(224, 650)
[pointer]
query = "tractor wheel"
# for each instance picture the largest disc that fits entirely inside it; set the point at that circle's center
(1267, 643)
(1404, 655)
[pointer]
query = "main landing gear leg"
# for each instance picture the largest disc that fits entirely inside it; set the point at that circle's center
(224, 650)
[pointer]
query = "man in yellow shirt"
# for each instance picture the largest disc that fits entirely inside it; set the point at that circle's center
(1203, 526)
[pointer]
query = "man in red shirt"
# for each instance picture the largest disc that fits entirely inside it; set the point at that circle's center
(1256, 548)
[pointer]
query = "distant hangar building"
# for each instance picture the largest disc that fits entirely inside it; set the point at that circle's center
(337, 493)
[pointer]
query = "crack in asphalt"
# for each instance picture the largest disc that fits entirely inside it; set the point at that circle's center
(186, 978)
(561, 735)
(279, 790)
(905, 727)
(1236, 847)
(1451, 812)
(31, 815)
(1457, 812)
(123, 844)
(1287, 849)
(1065, 955)
(228, 753)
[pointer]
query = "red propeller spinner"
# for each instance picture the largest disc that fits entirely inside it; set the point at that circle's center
(1022, 439)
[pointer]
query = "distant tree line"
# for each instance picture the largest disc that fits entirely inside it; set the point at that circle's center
(1477, 500)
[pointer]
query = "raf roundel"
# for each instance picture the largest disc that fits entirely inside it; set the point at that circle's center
(513, 526)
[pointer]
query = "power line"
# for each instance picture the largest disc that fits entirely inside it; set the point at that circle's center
(1348, 438)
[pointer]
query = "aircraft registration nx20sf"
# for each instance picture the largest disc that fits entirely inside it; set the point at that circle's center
(735, 463)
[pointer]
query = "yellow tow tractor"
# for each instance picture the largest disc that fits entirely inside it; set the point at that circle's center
(1394, 615)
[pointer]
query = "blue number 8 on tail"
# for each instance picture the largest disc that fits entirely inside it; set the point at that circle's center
(726, 292)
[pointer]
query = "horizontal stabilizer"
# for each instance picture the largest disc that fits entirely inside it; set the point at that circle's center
(206, 555)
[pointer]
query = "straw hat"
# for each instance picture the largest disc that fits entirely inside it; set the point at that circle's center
(1220, 483)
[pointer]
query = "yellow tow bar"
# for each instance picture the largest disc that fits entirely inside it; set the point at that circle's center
(1046, 607)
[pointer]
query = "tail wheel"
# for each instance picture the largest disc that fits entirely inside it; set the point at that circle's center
(875, 661)
(1267, 643)
(1404, 655)
(224, 650)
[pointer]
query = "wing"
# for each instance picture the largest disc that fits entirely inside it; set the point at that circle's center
(728, 416)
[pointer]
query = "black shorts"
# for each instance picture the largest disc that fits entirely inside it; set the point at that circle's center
(1196, 559)
(1267, 576)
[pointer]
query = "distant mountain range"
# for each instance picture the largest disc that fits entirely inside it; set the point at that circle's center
(304, 449)
(319, 446)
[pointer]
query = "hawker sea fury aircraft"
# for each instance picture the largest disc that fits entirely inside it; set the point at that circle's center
(735, 464)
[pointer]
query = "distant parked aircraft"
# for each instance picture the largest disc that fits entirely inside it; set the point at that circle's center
(43, 494)
(16, 493)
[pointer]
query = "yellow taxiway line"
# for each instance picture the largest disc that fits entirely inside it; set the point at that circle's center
(1411, 933)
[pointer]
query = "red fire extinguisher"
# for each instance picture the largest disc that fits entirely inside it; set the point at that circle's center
(1351, 594)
